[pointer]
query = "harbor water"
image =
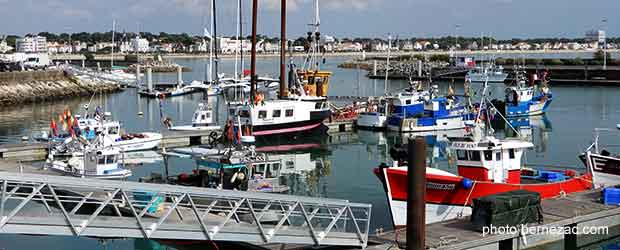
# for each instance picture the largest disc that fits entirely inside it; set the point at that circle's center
(322, 167)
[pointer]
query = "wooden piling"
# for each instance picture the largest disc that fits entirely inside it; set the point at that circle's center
(416, 192)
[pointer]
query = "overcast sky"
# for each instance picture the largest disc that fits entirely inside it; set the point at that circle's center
(340, 18)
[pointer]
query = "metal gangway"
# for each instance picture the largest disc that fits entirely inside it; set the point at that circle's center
(70, 206)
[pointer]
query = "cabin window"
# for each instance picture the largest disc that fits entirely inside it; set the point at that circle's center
(277, 113)
(498, 156)
(318, 105)
(208, 115)
(488, 155)
(408, 102)
(461, 155)
(110, 160)
(290, 165)
(101, 161)
(231, 112)
(511, 153)
(275, 167)
(244, 113)
(289, 113)
(196, 116)
(203, 117)
(262, 114)
(474, 155)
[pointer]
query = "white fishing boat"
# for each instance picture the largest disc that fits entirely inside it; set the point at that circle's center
(112, 137)
(92, 163)
(491, 72)
(605, 165)
(201, 121)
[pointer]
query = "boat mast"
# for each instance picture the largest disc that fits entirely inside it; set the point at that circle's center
(253, 53)
(211, 45)
(283, 91)
(241, 35)
(387, 65)
(317, 37)
(112, 53)
(237, 38)
(214, 29)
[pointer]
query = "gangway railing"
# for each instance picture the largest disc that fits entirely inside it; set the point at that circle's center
(70, 206)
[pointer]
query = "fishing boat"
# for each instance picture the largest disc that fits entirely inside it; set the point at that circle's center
(300, 109)
(100, 163)
(283, 116)
(235, 168)
(522, 99)
(441, 113)
(490, 72)
(485, 166)
(605, 165)
(202, 120)
(376, 116)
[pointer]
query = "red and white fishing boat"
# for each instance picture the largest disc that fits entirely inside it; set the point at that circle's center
(485, 167)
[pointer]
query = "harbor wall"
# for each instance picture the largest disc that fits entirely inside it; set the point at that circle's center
(33, 86)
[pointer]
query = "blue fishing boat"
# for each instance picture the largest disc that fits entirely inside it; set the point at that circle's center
(407, 103)
(526, 99)
(441, 113)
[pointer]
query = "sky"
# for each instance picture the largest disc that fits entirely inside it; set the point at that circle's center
(502, 19)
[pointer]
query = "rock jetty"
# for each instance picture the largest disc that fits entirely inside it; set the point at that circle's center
(33, 86)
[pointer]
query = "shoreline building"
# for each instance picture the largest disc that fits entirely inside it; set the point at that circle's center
(596, 36)
(31, 44)
(140, 44)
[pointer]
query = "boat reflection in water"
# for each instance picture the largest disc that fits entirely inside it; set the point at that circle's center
(535, 129)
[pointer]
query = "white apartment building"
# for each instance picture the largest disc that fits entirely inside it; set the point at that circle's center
(31, 44)
(140, 44)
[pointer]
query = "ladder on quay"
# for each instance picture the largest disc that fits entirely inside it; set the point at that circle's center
(70, 206)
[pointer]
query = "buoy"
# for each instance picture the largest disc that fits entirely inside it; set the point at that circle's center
(24, 138)
(140, 113)
(467, 183)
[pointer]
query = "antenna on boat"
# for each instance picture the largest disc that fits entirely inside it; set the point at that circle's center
(214, 30)
(484, 102)
(387, 64)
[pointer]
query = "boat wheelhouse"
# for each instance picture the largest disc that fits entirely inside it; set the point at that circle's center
(283, 116)
(203, 119)
(485, 167)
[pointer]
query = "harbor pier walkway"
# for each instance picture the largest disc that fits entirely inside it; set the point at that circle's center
(68, 206)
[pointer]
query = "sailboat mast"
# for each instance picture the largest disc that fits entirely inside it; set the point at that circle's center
(283, 91)
(253, 55)
(112, 53)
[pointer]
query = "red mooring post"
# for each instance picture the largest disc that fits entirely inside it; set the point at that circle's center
(416, 193)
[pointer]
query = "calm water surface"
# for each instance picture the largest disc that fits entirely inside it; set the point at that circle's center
(334, 167)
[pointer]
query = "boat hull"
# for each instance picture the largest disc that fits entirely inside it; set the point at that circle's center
(151, 141)
(411, 125)
(448, 190)
(195, 128)
(371, 121)
(535, 107)
(316, 120)
(606, 169)
(491, 77)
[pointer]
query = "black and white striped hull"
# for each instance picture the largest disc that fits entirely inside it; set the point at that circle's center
(606, 169)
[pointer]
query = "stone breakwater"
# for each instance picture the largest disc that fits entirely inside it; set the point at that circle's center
(33, 86)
